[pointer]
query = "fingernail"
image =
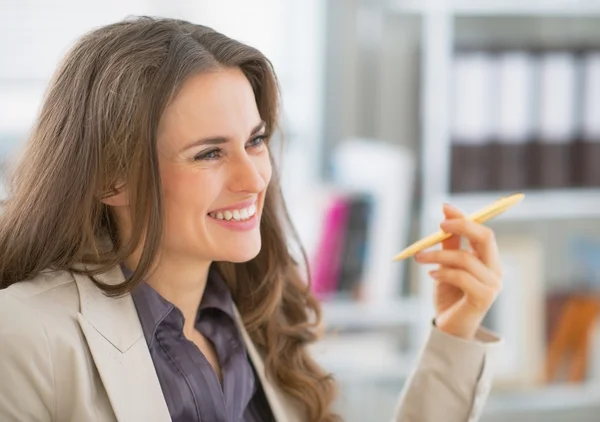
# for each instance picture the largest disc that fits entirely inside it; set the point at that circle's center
(445, 225)
(434, 273)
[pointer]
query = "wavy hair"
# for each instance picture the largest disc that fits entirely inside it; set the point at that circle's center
(97, 126)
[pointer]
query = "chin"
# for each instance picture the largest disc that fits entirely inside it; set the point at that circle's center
(241, 253)
(241, 258)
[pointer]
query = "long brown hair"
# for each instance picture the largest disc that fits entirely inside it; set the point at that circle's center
(96, 129)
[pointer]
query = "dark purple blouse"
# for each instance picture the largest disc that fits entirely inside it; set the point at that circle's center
(190, 386)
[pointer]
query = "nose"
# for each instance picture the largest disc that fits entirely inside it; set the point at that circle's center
(247, 174)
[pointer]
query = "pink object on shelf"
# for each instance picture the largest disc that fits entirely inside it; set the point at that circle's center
(327, 261)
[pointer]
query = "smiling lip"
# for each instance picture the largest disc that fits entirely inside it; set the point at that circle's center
(239, 205)
(241, 225)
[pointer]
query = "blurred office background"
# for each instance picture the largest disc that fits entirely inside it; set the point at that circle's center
(391, 108)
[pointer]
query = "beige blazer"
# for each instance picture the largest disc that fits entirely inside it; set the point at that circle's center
(69, 353)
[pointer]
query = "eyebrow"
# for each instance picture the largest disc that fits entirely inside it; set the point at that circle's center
(216, 140)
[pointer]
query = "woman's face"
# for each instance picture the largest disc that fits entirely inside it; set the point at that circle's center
(215, 169)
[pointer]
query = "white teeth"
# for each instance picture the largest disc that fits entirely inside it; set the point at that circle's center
(237, 215)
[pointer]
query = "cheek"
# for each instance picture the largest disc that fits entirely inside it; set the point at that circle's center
(186, 190)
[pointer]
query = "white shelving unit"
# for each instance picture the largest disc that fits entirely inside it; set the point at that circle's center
(537, 205)
(438, 20)
(437, 44)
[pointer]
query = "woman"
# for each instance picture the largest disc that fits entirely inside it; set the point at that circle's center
(145, 261)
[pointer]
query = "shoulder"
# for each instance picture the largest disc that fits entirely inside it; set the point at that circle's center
(39, 327)
(38, 331)
(47, 301)
(41, 284)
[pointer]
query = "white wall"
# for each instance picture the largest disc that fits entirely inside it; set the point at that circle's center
(35, 34)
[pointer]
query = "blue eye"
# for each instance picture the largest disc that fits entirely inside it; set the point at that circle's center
(213, 154)
(258, 141)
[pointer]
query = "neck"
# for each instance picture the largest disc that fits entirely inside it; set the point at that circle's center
(182, 283)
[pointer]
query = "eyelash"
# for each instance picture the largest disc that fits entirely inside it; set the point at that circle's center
(204, 156)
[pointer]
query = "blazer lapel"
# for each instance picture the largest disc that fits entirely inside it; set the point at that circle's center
(114, 335)
(284, 410)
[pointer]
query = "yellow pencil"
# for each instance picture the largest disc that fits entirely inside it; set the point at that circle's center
(491, 211)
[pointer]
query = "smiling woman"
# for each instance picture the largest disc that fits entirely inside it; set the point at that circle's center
(145, 260)
(148, 176)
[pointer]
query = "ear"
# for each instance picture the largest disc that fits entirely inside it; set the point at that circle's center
(117, 197)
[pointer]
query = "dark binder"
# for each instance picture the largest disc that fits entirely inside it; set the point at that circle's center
(472, 121)
(589, 145)
(554, 149)
(515, 102)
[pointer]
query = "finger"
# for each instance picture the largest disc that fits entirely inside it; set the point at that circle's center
(480, 237)
(463, 260)
(477, 295)
(451, 212)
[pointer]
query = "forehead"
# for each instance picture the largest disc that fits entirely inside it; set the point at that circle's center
(215, 103)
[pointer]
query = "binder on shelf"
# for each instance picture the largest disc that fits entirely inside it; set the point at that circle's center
(515, 118)
(327, 260)
(385, 172)
(589, 156)
(354, 249)
(556, 120)
(472, 127)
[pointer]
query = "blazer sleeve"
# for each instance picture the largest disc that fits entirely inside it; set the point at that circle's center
(452, 379)
(26, 373)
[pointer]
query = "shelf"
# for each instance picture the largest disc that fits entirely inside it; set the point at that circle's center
(581, 8)
(364, 357)
(547, 398)
(352, 314)
(537, 205)
(346, 370)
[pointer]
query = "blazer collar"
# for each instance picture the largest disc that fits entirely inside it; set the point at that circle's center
(114, 335)
(114, 318)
